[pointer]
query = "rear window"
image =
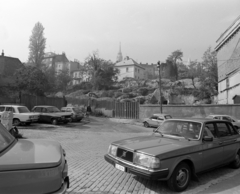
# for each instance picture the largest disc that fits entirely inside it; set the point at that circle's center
(23, 109)
(168, 117)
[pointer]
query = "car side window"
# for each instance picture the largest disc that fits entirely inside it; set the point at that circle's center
(232, 129)
(2, 109)
(216, 117)
(154, 117)
(44, 110)
(160, 119)
(227, 119)
(223, 130)
(10, 109)
(209, 130)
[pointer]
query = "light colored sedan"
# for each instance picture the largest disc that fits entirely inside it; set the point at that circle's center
(31, 165)
(155, 120)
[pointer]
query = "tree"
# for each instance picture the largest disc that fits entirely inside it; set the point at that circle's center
(194, 71)
(37, 45)
(209, 75)
(102, 73)
(30, 79)
(174, 57)
(62, 80)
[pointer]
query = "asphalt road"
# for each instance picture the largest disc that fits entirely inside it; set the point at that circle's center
(86, 143)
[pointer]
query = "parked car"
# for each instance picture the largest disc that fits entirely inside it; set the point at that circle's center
(235, 121)
(21, 114)
(51, 114)
(155, 120)
(178, 150)
(76, 114)
(31, 165)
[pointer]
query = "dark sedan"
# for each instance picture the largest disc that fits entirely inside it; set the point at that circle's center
(51, 114)
(178, 150)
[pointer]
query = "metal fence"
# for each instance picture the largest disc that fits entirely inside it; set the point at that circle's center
(127, 110)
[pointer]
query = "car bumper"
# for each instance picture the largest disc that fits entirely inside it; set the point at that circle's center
(151, 175)
(64, 187)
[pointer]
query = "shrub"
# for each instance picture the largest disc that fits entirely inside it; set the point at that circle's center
(117, 94)
(143, 91)
(127, 90)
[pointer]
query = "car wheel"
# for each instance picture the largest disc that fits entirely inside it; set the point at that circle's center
(16, 122)
(54, 121)
(146, 124)
(236, 162)
(180, 178)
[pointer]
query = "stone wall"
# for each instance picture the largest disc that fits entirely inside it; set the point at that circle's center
(197, 111)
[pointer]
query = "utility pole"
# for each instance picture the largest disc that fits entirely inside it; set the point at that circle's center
(160, 84)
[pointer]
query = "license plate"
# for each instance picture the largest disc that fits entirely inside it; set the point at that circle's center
(119, 167)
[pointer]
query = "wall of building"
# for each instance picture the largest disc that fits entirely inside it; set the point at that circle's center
(228, 62)
(123, 72)
(198, 111)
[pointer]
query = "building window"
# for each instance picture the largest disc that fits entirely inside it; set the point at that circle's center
(127, 69)
(227, 83)
(138, 70)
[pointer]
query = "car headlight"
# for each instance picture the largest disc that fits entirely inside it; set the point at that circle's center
(146, 161)
(112, 150)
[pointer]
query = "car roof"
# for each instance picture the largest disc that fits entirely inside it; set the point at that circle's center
(201, 120)
(43, 106)
(12, 105)
(159, 114)
(219, 115)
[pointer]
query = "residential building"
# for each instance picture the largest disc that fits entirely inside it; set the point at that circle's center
(8, 66)
(228, 57)
(151, 70)
(130, 68)
(57, 61)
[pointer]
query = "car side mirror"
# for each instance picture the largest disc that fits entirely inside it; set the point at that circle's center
(207, 138)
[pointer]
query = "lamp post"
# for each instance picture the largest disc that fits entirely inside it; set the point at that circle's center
(160, 92)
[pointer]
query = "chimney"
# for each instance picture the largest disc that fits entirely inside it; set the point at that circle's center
(3, 53)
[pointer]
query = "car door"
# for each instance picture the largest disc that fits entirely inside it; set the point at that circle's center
(212, 151)
(39, 110)
(228, 139)
(159, 121)
(154, 121)
(151, 120)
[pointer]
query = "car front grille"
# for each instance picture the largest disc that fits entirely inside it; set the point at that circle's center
(125, 155)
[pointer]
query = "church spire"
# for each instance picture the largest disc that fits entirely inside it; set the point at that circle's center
(119, 55)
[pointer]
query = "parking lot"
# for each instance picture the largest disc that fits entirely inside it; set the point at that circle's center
(87, 142)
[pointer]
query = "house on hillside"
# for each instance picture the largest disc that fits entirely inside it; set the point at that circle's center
(228, 57)
(151, 70)
(130, 68)
(58, 62)
(8, 66)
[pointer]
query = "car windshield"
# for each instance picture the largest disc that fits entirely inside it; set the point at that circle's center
(76, 110)
(53, 109)
(185, 129)
(23, 109)
(5, 138)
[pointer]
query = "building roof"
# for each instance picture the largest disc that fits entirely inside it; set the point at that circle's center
(8, 65)
(235, 26)
(128, 62)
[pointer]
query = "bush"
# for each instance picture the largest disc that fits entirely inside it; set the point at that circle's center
(118, 94)
(143, 91)
(110, 93)
(127, 90)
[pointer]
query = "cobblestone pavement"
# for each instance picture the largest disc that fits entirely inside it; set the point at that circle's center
(86, 146)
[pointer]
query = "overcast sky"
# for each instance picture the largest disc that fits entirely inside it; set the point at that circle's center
(149, 30)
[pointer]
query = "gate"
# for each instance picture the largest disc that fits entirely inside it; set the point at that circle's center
(127, 110)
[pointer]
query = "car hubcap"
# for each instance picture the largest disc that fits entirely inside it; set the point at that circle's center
(182, 177)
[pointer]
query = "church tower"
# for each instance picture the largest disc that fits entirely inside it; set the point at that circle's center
(119, 55)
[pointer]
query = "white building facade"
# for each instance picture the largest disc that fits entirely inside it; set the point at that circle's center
(228, 56)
